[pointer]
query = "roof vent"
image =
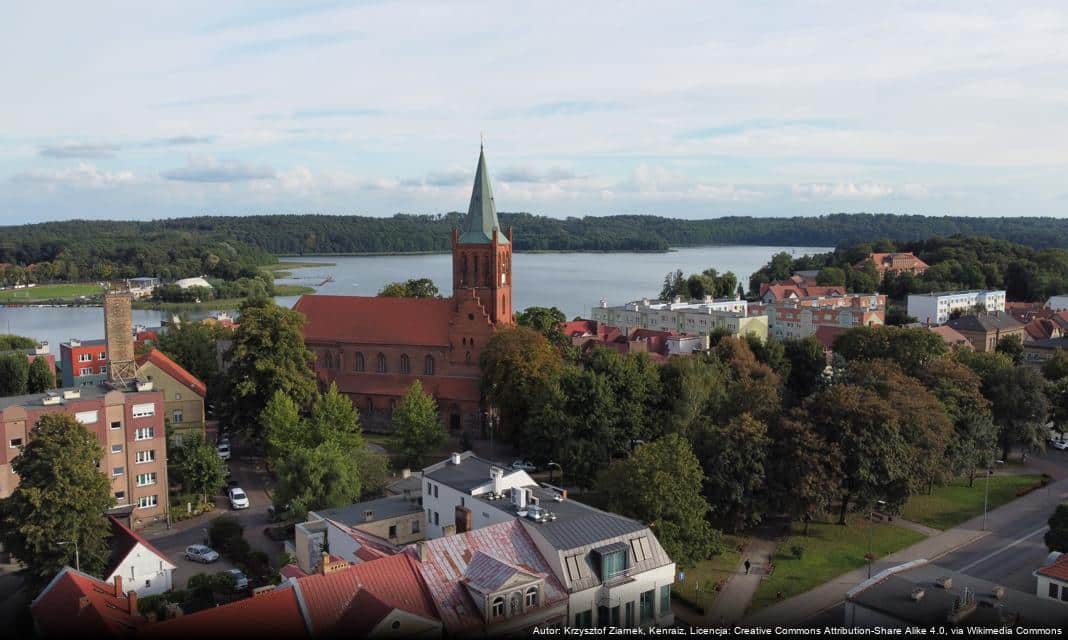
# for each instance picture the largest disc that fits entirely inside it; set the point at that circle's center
(72, 394)
(944, 582)
(50, 399)
(455, 458)
(917, 594)
(75, 343)
(144, 385)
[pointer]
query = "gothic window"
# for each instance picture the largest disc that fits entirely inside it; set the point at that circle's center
(358, 366)
(488, 272)
(463, 268)
(404, 363)
(475, 260)
(380, 366)
(428, 365)
(467, 356)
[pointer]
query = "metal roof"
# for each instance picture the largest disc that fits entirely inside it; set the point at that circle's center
(577, 524)
(472, 472)
(481, 220)
(381, 509)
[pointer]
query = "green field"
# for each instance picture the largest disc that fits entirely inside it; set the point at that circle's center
(49, 292)
(956, 502)
(830, 550)
(697, 587)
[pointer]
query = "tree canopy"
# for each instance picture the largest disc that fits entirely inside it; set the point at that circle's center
(417, 428)
(413, 288)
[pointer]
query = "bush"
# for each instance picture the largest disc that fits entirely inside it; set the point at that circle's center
(179, 511)
(227, 536)
(797, 550)
(258, 565)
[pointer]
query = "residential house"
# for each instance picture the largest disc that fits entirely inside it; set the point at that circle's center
(273, 613)
(83, 362)
(142, 287)
(374, 348)
(491, 581)
(127, 421)
(925, 595)
(183, 393)
(1036, 352)
(658, 344)
(77, 605)
(939, 306)
(800, 318)
(1052, 578)
(951, 336)
(1058, 303)
(692, 318)
(805, 278)
(899, 262)
(360, 532)
(134, 560)
(985, 330)
(41, 351)
(789, 290)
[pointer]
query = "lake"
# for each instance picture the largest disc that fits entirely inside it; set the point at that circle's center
(574, 282)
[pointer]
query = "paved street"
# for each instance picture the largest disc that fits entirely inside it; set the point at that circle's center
(251, 476)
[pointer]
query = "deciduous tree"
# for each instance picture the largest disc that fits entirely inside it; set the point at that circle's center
(803, 469)
(546, 321)
(417, 428)
(199, 467)
(734, 457)
(413, 288)
(519, 369)
(14, 371)
(318, 478)
(1056, 538)
(40, 378)
(193, 345)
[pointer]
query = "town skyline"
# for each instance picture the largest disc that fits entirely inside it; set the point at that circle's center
(685, 111)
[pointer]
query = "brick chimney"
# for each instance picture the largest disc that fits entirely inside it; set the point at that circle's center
(131, 598)
(118, 586)
(118, 334)
(421, 549)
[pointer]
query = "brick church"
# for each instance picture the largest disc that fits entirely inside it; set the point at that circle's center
(374, 348)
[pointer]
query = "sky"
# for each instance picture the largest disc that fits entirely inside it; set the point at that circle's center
(134, 110)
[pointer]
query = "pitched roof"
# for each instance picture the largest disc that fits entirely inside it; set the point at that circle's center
(481, 220)
(577, 524)
(784, 290)
(826, 333)
(377, 320)
(985, 322)
(371, 546)
(487, 574)
(274, 614)
(123, 541)
(76, 605)
(886, 260)
(951, 336)
(1058, 570)
(471, 472)
(173, 369)
(335, 597)
(381, 508)
(447, 560)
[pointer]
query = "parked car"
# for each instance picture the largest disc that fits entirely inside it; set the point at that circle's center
(200, 553)
(240, 579)
(224, 451)
(238, 498)
(523, 465)
(1060, 445)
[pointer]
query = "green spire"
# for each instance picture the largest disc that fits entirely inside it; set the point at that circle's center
(481, 220)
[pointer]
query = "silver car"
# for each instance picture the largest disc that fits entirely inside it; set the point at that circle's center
(200, 553)
(240, 579)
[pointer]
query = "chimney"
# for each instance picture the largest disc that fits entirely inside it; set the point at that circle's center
(324, 559)
(406, 473)
(118, 335)
(131, 598)
(420, 548)
(497, 475)
(454, 458)
(118, 586)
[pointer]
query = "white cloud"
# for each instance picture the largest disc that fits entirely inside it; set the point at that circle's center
(211, 170)
(84, 176)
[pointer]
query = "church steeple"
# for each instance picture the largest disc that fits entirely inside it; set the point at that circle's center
(481, 220)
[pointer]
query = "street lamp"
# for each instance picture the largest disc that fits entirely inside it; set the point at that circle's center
(551, 475)
(871, 531)
(986, 493)
(77, 559)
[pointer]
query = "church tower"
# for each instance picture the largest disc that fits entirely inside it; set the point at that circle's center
(482, 254)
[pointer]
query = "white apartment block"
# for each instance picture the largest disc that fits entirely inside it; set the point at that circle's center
(614, 569)
(692, 317)
(936, 307)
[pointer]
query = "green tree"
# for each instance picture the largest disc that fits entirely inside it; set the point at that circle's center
(520, 368)
(734, 457)
(318, 478)
(199, 466)
(1012, 346)
(831, 276)
(61, 497)
(660, 484)
(546, 321)
(417, 428)
(1057, 366)
(1057, 392)
(803, 469)
(910, 348)
(14, 371)
(335, 419)
(959, 389)
(692, 388)
(40, 378)
(1057, 537)
(192, 345)
(414, 288)
(674, 285)
(283, 428)
(807, 362)
(267, 355)
(1020, 406)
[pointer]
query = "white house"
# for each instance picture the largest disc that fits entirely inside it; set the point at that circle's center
(936, 307)
(1058, 303)
(138, 564)
(186, 283)
(1053, 578)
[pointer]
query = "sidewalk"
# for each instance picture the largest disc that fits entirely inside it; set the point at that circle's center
(730, 603)
(806, 605)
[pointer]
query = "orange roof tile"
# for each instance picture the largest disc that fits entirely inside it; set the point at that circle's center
(1058, 570)
(123, 540)
(76, 605)
(951, 336)
(377, 320)
(275, 614)
(174, 370)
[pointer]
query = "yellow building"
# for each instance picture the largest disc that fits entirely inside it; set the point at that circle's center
(183, 393)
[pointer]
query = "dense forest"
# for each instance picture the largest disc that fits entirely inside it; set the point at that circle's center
(1025, 273)
(232, 247)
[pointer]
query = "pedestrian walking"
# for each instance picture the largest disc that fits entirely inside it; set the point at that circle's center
(747, 566)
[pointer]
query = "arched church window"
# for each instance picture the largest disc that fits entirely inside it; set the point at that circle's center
(358, 363)
(428, 365)
(405, 365)
(328, 360)
(380, 365)
(467, 356)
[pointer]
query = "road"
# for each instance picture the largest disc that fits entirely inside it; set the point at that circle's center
(251, 476)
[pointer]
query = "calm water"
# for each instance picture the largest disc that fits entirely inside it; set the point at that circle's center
(574, 282)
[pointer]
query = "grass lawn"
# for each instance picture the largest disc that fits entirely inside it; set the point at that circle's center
(46, 292)
(283, 265)
(708, 572)
(830, 551)
(956, 502)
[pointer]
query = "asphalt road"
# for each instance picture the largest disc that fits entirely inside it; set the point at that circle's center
(251, 475)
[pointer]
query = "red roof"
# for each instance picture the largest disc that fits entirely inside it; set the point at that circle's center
(123, 540)
(335, 598)
(885, 261)
(783, 290)
(377, 320)
(292, 571)
(174, 370)
(826, 333)
(372, 547)
(275, 614)
(77, 605)
(951, 336)
(396, 385)
(1058, 570)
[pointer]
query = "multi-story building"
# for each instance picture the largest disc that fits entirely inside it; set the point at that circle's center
(83, 362)
(658, 344)
(937, 307)
(128, 425)
(801, 318)
(790, 290)
(900, 262)
(1037, 352)
(692, 318)
(183, 393)
(39, 352)
(985, 330)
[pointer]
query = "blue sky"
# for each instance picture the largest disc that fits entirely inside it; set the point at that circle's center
(686, 109)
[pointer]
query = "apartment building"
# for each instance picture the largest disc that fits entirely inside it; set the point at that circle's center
(83, 362)
(937, 307)
(985, 330)
(691, 318)
(800, 318)
(900, 262)
(128, 425)
(183, 393)
(39, 352)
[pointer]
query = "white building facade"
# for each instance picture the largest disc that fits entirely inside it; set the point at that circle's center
(936, 307)
(693, 317)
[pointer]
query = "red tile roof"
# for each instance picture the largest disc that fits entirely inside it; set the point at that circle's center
(885, 261)
(951, 336)
(174, 370)
(123, 540)
(826, 333)
(292, 571)
(783, 290)
(334, 598)
(275, 614)
(1058, 570)
(77, 605)
(377, 320)
(451, 388)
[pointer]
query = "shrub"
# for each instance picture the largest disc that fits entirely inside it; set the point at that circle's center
(798, 551)
(227, 536)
